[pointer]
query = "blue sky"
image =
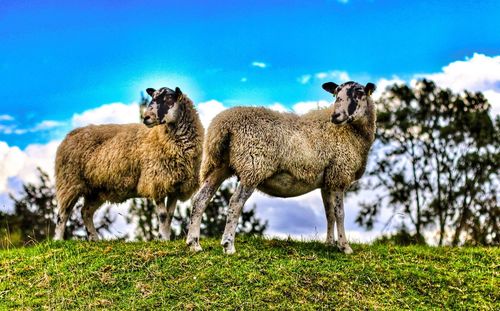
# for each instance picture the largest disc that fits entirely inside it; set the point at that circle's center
(61, 58)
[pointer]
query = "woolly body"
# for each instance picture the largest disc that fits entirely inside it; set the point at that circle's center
(286, 155)
(117, 162)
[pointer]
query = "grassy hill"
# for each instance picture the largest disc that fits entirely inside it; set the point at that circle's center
(263, 274)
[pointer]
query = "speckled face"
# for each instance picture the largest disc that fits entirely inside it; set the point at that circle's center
(164, 106)
(351, 102)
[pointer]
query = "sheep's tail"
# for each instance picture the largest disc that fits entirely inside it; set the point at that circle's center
(215, 149)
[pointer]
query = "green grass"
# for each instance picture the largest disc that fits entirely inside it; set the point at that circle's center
(263, 274)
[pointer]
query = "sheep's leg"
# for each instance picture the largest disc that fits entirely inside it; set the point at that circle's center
(165, 215)
(200, 203)
(65, 209)
(88, 210)
(328, 203)
(236, 204)
(339, 215)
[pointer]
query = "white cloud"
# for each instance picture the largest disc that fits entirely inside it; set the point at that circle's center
(244, 79)
(208, 110)
(306, 106)
(259, 64)
(22, 164)
(11, 162)
(304, 79)
(494, 99)
(278, 107)
(479, 73)
(6, 117)
(383, 84)
(7, 129)
(42, 126)
(118, 113)
(321, 75)
(338, 76)
(47, 124)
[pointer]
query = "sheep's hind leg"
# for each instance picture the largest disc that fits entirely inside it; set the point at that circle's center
(339, 214)
(329, 205)
(65, 208)
(236, 204)
(88, 210)
(165, 215)
(200, 203)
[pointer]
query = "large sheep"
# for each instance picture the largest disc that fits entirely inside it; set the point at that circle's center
(116, 162)
(286, 155)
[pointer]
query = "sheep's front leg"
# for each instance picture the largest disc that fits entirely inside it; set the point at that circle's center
(329, 205)
(236, 204)
(339, 215)
(165, 215)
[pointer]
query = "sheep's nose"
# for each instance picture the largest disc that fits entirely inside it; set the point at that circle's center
(147, 121)
(335, 118)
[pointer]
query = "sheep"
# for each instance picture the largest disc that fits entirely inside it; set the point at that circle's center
(285, 155)
(116, 162)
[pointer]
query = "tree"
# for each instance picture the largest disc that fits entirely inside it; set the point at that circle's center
(35, 212)
(435, 162)
(143, 104)
(143, 211)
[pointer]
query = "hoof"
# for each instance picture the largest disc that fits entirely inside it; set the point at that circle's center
(228, 247)
(331, 243)
(229, 250)
(195, 248)
(165, 238)
(93, 238)
(58, 238)
(193, 244)
(346, 249)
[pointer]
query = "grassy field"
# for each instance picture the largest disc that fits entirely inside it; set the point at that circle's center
(263, 274)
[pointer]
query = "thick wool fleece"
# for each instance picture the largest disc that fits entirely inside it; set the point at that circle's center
(117, 162)
(257, 143)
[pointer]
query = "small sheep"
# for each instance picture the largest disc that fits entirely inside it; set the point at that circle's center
(116, 162)
(285, 155)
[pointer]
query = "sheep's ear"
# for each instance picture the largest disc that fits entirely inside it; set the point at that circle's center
(370, 88)
(150, 91)
(178, 94)
(330, 87)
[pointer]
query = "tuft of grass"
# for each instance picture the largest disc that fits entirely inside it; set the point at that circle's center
(264, 274)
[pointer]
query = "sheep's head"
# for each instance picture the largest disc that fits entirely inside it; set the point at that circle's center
(164, 108)
(353, 100)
